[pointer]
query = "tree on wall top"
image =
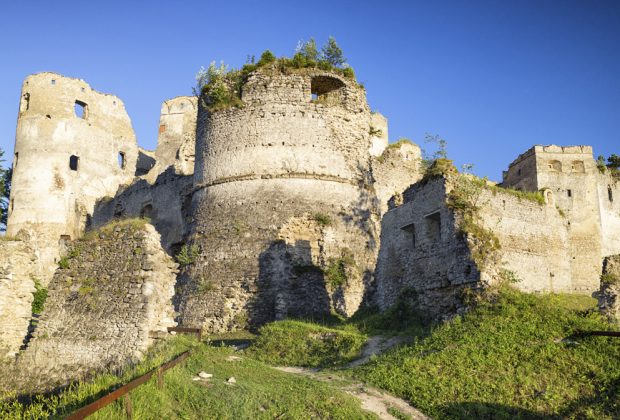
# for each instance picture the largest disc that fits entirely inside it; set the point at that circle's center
(5, 191)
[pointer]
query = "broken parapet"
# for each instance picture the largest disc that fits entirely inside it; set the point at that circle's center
(109, 300)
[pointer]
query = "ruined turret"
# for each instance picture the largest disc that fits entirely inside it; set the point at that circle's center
(282, 203)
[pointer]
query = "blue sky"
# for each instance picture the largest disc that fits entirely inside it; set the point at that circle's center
(491, 77)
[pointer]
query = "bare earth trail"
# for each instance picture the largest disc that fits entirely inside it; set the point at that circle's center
(372, 399)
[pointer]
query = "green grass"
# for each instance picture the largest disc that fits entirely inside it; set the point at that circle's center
(508, 358)
(259, 392)
(298, 343)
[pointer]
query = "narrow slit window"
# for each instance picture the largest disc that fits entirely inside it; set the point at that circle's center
(53, 81)
(569, 193)
(73, 162)
(25, 104)
(121, 160)
(15, 160)
(410, 230)
(610, 194)
(81, 110)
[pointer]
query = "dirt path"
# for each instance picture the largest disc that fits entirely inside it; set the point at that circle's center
(372, 399)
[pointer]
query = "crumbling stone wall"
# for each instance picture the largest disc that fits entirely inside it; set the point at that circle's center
(73, 145)
(18, 271)
(609, 205)
(177, 136)
(398, 167)
(424, 249)
(421, 253)
(166, 202)
(282, 158)
(609, 292)
(108, 302)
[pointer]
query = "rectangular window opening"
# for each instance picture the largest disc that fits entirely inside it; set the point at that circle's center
(569, 193)
(81, 109)
(73, 162)
(433, 226)
(121, 160)
(410, 230)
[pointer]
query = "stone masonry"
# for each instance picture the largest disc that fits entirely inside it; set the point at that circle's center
(108, 302)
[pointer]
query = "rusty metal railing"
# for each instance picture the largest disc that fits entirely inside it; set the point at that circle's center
(123, 391)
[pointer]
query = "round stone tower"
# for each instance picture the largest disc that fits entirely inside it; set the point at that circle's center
(73, 145)
(283, 213)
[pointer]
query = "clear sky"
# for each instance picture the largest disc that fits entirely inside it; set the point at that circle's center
(491, 77)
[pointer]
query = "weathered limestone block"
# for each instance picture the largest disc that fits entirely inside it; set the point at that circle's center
(106, 305)
(18, 265)
(609, 292)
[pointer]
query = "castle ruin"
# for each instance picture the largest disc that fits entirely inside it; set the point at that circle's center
(292, 205)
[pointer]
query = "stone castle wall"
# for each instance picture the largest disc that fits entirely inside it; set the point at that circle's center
(109, 304)
(422, 249)
(64, 162)
(282, 158)
(570, 173)
(19, 268)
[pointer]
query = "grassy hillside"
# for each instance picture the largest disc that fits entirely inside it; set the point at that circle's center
(512, 356)
(259, 391)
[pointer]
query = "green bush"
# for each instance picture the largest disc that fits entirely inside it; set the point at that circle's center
(297, 343)
(39, 297)
(188, 254)
(322, 219)
(63, 263)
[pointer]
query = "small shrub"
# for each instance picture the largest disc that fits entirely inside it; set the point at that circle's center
(336, 271)
(188, 254)
(39, 297)
(609, 278)
(63, 263)
(266, 58)
(322, 219)
(375, 132)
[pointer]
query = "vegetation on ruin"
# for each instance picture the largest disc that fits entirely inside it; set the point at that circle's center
(298, 343)
(187, 255)
(609, 278)
(38, 297)
(259, 392)
(463, 200)
(220, 86)
(612, 165)
(135, 223)
(5, 191)
(322, 219)
(336, 270)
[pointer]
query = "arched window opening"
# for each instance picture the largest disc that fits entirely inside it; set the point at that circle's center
(73, 162)
(81, 109)
(121, 160)
(25, 103)
(147, 211)
(323, 88)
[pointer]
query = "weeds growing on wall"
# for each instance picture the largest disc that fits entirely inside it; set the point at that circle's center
(322, 219)
(463, 200)
(39, 296)
(220, 86)
(336, 270)
(188, 254)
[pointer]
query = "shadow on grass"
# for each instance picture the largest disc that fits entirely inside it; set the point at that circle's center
(480, 410)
